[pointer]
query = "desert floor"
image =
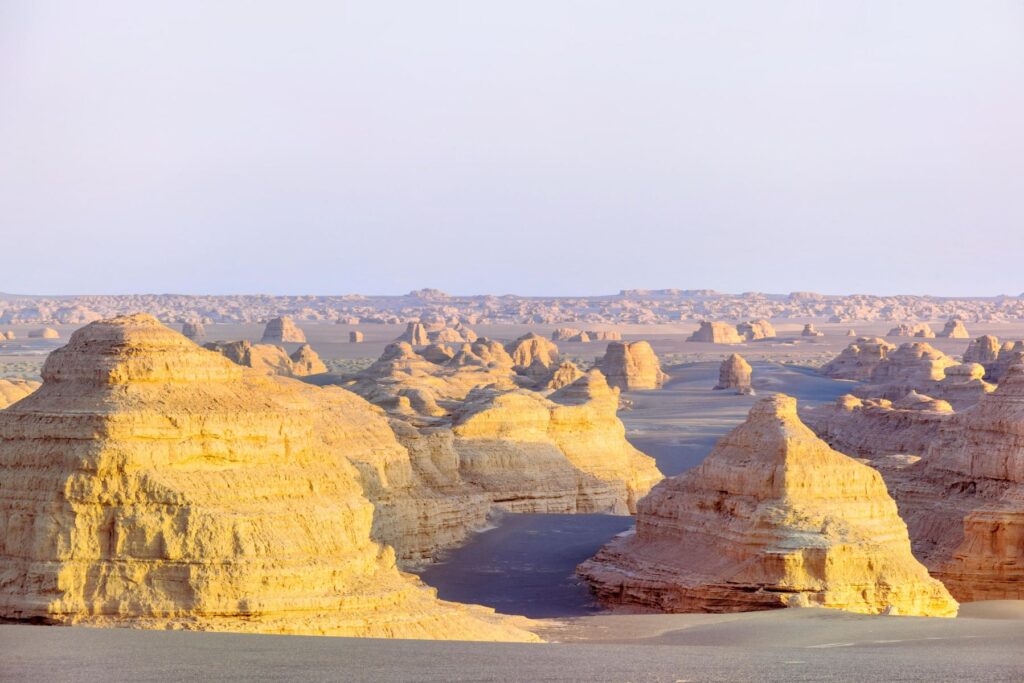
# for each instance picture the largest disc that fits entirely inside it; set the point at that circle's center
(524, 565)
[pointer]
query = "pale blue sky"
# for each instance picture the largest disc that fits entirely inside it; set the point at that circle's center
(529, 147)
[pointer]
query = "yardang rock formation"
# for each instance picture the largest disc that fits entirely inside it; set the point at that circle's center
(773, 517)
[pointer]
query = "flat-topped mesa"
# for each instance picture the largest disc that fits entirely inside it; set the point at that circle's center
(566, 334)
(772, 518)
(604, 335)
(151, 483)
(811, 331)
(715, 333)
(306, 361)
(914, 366)
(13, 390)
(955, 329)
(193, 330)
(859, 359)
(9, 335)
(356, 337)
(756, 329)
(964, 501)
(415, 334)
(283, 330)
(735, 374)
(632, 366)
(920, 330)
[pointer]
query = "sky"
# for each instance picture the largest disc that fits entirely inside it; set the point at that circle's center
(531, 147)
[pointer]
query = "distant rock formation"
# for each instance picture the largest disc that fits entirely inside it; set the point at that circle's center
(283, 330)
(8, 335)
(191, 493)
(268, 359)
(921, 330)
(914, 366)
(565, 334)
(44, 333)
(859, 359)
(735, 374)
(851, 332)
(955, 329)
(604, 335)
(715, 333)
(983, 350)
(565, 374)
(305, 361)
(356, 337)
(756, 329)
(533, 355)
(632, 366)
(963, 385)
(193, 330)
(13, 390)
(773, 517)
(1010, 354)
(415, 334)
(811, 331)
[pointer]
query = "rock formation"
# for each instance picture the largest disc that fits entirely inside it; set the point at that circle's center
(193, 330)
(632, 366)
(565, 334)
(356, 337)
(983, 350)
(415, 334)
(964, 500)
(8, 335)
(756, 329)
(268, 359)
(773, 517)
(811, 331)
(716, 333)
(305, 361)
(13, 390)
(955, 329)
(283, 330)
(914, 366)
(565, 374)
(1010, 354)
(851, 332)
(872, 428)
(859, 359)
(604, 335)
(44, 333)
(963, 385)
(151, 483)
(735, 374)
(921, 330)
(533, 355)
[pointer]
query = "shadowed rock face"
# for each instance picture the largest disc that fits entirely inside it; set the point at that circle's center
(151, 483)
(415, 334)
(283, 330)
(964, 501)
(735, 373)
(914, 366)
(193, 330)
(632, 366)
(772, 518)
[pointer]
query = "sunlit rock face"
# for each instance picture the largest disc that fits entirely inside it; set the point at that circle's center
(632, 366)
(716, 333)
(914, 366)
(772, 518)
(964, 501)
(859, 359)
(735, 374)
(13, 390)
(151, 483)
(283, 330)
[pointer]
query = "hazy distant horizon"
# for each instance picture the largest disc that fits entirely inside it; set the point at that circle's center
(542, 148)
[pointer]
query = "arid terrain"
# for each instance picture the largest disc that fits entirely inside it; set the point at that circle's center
(487, 448)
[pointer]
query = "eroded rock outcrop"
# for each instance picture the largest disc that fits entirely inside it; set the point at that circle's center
(306, 361)
(415, 334)
(735, 374)
(773, 517)
(756, 329)
(533, 355)
(356, 337)
(955, 329)
(283, 330)
(715, 333)
(193, 330)
(632, 366)
(13, 390)
(44, 333)
(268, 359)
(811, 331)
(914, 366)
(151, 483)
(921, 330)
(858, 360)
(983, 350)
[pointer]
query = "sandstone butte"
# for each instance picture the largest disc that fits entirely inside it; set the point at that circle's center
(151, 483)
(964, 500)
(632, 366)
(735, 373)
(859, 359)
(13, 390)
(955, 329)
(773, 517)
(811, 331)
(193, 330)
(478, 436)
(996, 358)
(415, 334)
(44, 333)
(922, 330)
(715, 333)
(756, 329)
(914, 366)
(356, 337)
(533, 355)
(283, 330)
(271, 359)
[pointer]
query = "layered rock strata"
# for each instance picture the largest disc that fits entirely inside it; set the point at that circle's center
(735, 374)
(858, 360)
(283, 330)
(773, 517)
(715, 333)
(632, 366)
